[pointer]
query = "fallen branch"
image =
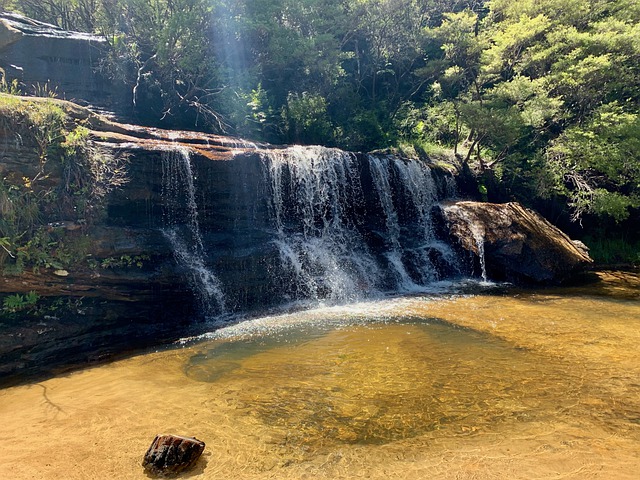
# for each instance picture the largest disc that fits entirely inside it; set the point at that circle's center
(7, 250)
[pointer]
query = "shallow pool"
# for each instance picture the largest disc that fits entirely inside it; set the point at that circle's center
(524, 384)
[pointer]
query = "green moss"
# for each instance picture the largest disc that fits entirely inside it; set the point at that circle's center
(438, 155)
(39, 124)
(68, 184)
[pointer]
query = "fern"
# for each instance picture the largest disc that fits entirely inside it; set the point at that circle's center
(17, 303)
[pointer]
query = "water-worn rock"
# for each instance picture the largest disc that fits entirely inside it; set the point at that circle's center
(198, 206)
(125, 289)
(171, 454)
(517, 243)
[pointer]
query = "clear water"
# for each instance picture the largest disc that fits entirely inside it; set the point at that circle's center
(528, 384)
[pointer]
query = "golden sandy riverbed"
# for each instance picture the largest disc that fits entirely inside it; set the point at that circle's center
(527, 385)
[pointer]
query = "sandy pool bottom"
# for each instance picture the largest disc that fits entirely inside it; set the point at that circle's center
(538, 386)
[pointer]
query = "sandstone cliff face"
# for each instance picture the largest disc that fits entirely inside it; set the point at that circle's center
(44, 57)
(124, 291)
(131, 287)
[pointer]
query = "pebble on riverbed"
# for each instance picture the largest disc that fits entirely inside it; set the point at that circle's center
(172, 454)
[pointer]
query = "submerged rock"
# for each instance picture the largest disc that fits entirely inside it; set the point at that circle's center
(514, 242)
(171, 454)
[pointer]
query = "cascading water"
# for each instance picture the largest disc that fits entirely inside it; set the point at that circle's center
(341, 236)
(478, 234)
(418, 246)
(303, 224)
(182, 229)
(312, 191)
(380, 175)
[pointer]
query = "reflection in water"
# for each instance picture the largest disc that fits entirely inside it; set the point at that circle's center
(525, 385)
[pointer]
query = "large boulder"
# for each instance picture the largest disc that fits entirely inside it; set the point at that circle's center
(514, 242)
(45, 59)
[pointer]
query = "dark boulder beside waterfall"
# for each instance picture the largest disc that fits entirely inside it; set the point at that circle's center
(517, 244)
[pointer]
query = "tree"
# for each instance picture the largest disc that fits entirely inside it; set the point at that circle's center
(555, 79)
(79, 15)
(597, 165)
(542, 94)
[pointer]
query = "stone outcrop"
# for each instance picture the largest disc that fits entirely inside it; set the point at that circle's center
(134, 295)
(132, 288)
(46, 58)
(518, 244)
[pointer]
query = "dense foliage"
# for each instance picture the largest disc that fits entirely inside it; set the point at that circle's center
(541, 96)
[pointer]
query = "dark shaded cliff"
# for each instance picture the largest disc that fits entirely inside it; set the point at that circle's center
(44, 59)
(105, 275)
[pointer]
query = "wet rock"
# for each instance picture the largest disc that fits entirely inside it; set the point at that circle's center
(518, 244)
(126, 277)
(172, 454)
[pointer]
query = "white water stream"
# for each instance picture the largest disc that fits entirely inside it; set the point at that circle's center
(185, 238)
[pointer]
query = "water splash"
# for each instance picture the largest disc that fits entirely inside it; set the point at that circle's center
(182, 229)
(325, 229)
(312, 190)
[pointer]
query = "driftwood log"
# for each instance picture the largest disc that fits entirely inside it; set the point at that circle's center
(171, 454)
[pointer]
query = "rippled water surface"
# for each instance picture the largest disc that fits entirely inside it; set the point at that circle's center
(524, 384)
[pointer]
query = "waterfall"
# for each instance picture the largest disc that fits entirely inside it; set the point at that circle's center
(303, 224)
(182, 229)
(478, 236)
(477, 233)
(341, 236)
(380, 176)
(313, 190)
(417, 180)
(419, 246)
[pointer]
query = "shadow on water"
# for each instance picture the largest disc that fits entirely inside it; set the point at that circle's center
(378, 383)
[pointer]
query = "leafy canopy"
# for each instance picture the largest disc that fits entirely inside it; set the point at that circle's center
(541, 94)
